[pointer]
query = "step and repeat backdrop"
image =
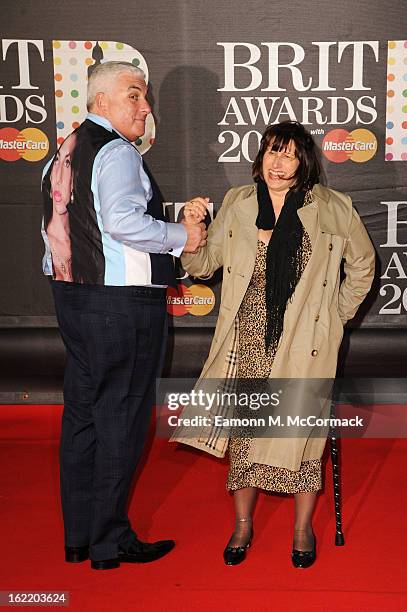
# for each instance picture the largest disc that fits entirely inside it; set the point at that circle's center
(218, 75)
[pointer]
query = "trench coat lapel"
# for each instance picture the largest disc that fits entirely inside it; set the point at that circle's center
(330, 217)
(309, 218)
(246, 212)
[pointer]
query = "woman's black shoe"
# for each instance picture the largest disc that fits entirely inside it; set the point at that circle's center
(304, 558)
(233, 555)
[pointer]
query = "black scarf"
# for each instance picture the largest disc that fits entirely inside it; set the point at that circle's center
(284, 257)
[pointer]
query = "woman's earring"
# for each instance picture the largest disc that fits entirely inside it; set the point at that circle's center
(71, 197)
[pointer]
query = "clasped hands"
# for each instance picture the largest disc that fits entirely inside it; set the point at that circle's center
(194, 214)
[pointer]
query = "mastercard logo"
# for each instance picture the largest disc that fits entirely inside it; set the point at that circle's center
(340, 145)
(30, 144)
(197, 300)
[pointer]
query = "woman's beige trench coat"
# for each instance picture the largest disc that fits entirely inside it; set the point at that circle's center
(314, 319)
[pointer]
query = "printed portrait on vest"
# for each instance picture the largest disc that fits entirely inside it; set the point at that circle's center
(58, 195)
(70, 219)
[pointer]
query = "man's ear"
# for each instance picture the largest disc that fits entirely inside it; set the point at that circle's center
(101, 103)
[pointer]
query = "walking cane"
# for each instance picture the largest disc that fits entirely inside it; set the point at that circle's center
(339, 539)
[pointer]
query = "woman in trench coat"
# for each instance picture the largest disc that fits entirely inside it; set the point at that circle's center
(280, 242)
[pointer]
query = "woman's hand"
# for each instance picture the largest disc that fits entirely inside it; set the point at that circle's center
(195, 210)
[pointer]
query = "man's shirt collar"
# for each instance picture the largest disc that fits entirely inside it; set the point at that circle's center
(104, 123)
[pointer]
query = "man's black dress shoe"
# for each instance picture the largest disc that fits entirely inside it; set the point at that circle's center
(137, 552)
(304, 558)
(142, 552)
(76, 554)
(105, 564)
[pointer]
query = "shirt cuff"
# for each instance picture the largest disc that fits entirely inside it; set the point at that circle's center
(176, 239)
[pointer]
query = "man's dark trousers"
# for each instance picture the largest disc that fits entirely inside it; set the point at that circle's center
(115, 339)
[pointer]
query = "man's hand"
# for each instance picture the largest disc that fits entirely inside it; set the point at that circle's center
(196, 236)
(195, 210)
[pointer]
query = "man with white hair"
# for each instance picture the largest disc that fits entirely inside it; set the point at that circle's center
(112, 316)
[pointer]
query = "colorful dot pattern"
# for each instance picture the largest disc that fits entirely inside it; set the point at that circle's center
(396, 112)
(72, 59)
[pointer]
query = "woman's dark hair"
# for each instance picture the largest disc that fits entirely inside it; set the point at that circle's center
(46, 195)
(281, 134)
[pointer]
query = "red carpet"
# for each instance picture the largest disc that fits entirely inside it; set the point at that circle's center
(181, 494)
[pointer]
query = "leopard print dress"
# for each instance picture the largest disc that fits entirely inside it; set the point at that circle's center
(254, 361)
